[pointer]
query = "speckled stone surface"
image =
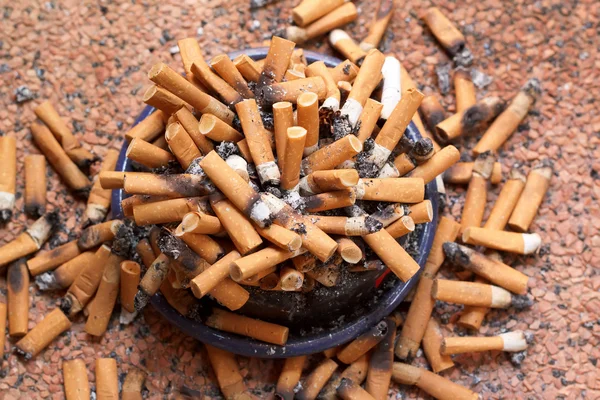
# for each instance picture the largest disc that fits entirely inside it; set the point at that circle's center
(90, 59)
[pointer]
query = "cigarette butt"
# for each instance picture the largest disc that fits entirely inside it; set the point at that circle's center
(247, 67)
(432, 340)
(345, 71)
(291, 75)
(60, 161)
(191, 126)
(392, 254)
(308, 118)
(163, 100)
(75, 380)
(289, 377)
(95, 235)
(432, 111)
(396, 124)
(470, 293)
(349, 251)
(199, 222)
(186, 263)
(510, 341)
(99, 199)
(204, 246)
(153, 236)
(290, 279)
(8, 176)
(281, 237)
(317, 379)
(29, 241)
(283, 116)
(356, 372)
(254, 328)
(330, 200)
(277, 61)
(149, 128)
(470, 120)
(181, 144)
(536, 186)
(461, 172)
(227, 371)
(35, 185)
(63, 276)
(361, 345)
(332, 155)
(402, 227)
(313, 239)
(230, 74)
(230, 294)
(291, 90)
(329, 180)
(345, 88)
(311, 10)
(239, 165)
(377, 29)
(345, 45)
(348, 390)
(295, 145)
(390, 213)
(151, 281)
(367, 79)
(254, 263)
(496, 272)
(107, 379)
(240, 229)
(167, 78)
(446, 231)
(400, 190)
(435, 385)
(217, 130)
(319, 68)
(212, 276)
(270, 281)
(130, 278)
(380, 365)
(444, 31)
(513, 242)
(144, 250)
(421, 212)
(340, 16)
(173, 186)
(17, 279)
(506, 201)
(53, 324)
(422, 151)
(128, 203)
(132, 386)
(111, 179)
(348, 226)
(437, 164)
(464, 89)
(48, 260)
(203, 73)
(190, 52)
(404, 164)
(368, 119)
(476, 198)
(148, 154)
(106, 296)
(304, 262)
(3, 315)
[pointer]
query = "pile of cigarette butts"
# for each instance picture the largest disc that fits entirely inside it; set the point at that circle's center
(292, 173)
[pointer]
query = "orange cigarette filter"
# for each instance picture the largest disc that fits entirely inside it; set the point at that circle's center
(432, 340)
(229, 294)
(35, 186)
(470, 293)
(291, 75)
(384, 12)
(227, 371)
(361, 345)
(95, 235)
(277, 61)
(163, 100)
(472, 317)
(496, 272)
(230, 74)
(281, 237)
(203, 245)
(29, 241)
(317, 379)
(17, 279)
(132, 386)
(289, 377)
(329, 180)
(130, 278)
(332, 155)
(308, 118)
(204, 283)
(190, 124)
(254, 328)
(112, 179)
(173, 186)
(149, 128)
(102, 307)
(420, 213)
(368, 119)
(107, 379)
(249, 69)
(208, 78)
(330, 200)
(58, 158)
(476, 198)
(512, 242)
(435, 385)
(283, 117)
(345, 45)
(181, 144)
(432, 111)
(444, 30)
(507, 122)
(48, 260)
(437, 164)
(148, 154)
(536, 186)
(217, 130)
(461, 172)
(160, 212)
(380, 365)
(199, 222)
(145, 251)
(167, 78)
(75, 380)
(470, 120)
(392, 254)
(151, 281)
(53, 324)
(464, 89)
(99, 199)
(291, 90)
(190, 52)
(506, 201)
(340, 16)
(345, 71)
(511, 341)
(290, 279)
(399, 190)
(8, 176)
(311, 10)
(403, 164)
(240, 229)
(259, 261)
(319, 68)
(346, 226)
(294, 147)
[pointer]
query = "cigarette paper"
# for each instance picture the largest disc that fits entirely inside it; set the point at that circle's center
(536, 186)
(8, 176)
(227, 372)
(17, 279)
(380, 365)
(53, 324)
(75, 380)
(101, 308)
(444, 31)
(148, 154)
(107, 379)
(511, 341)
(340, 16)
(247, 67)
(317, 379)
(344, 44)
(432, 340)
(289, 377)
(506, 201)
(512, 242)
(132, 386)
(48, 260)
(240, 229)
(111, 179)
(432, 111)
(29, 241)
(435, 385)
(254, 328)
(470, 293)
(291, 90)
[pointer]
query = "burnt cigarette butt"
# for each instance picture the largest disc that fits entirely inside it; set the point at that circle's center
(294, 147)
(345, 71)
(348, 390)
(404, 164)
(239, 165)
(17, 279)
(383, 15)
(106, 296)
(190, 52)
(29, 241)
(345, 45)
(59, 159)
(151, 281)
(204, 283)
(394, 127)
(95, 235)
(367, 79)
(8, 176)
(444, 31)
(361, 345)
(422, 151)
(464, 89)
(512, 242)
(390, 213)
(329, 180)
(398, 190)
(291, 90)
(48, 260)
(37, 339)
(199, 222)
(271, 281)
(254, 263)
(470, 120)
(148, 154)
(391, 89)
(35, 185)
(304, 262)
(308, 118)
(317, 379)
(368, 119)
(144, 250)
(130, 278)
(508, 121)
(290, 279)
(461, 172)
(132, 386)
(471, 294)
(435, 385)
(289, 377)
(149, 128)
(205, 246)
(319, 68)
(330, 200)
(472, 317)
(476, 198)
(217, 130)
(75, 380)
(340, 16)
(496, 272)
(250, 327)
(3, 316)
(203, 73)
(107, 379)
(311, 10)
(283, 117)
(506, 201)
(111, 179)
(227, 371)
(160, 212)
(511, 341)
(380, 365)
(348, 226)
(437, 164)
(63, 276)
(277, 61)
(432, 340)
(281, 237)
(174, 185)
(181, 144)
(356, 372)
(432, 111)
(247, 67)
(392, 254)
(163, 100)
(327, 274)
(167, 78)
(536, 186)
(99, 199)
(349, 251)
(190, 124)
(332, 155)
(230, 74)
(240, 229)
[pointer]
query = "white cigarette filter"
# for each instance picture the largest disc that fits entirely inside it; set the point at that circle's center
(390, 95)
(514, 341)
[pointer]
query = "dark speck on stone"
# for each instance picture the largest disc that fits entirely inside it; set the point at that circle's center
(23, 94)
(4, 68)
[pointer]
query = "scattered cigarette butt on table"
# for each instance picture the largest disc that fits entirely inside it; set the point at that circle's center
(511, 341)
(536, 187)
(8, 176)
(432, 384)
(250, 327)
(380, 364)
(506, 201)
(129, 280)
(77, 386)
(464, 89)
(476, 294)
(346, 46)
(512, 242)
(461, 172)
(476, 198)
(98, 202)
(317, 379)
(17, 279)
(470, 120)
(340, 16)
(432, 340)
(35, 185)
(444, 31)
(227, 371)
(363, 343)
(29, 241)
(63, 276)
(289, 377)
(107, 379)
(37, 339)
(377, 29)
(132, 386)
(48, 260)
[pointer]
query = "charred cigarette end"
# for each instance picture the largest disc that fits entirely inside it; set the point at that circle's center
(5, 216)
(423, 150)
(66, 304)
(47, 281)
(23, 354)
(477, 115)
(141, 300)
(533, 88)
(457, 254)
(484, 164)
(521, 302)
(372, 224)
(259, 212)
(33, 209)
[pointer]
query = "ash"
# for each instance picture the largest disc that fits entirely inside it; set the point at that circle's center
(443, 74)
